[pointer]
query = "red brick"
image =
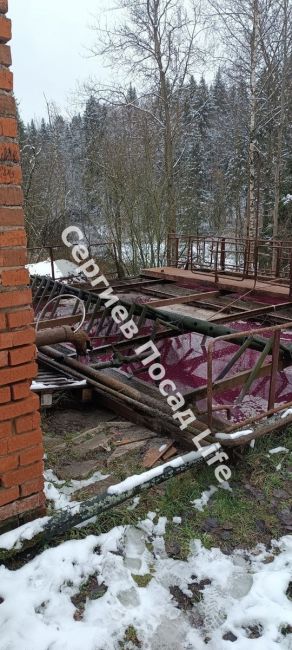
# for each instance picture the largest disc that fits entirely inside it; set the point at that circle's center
(6, 341)
(24, 441)
(15, 339)
(19, 318)
(19, 408)
(2, 321)
(23, 337)
(10, 174)
(3, 6)
(8, 125)
(28, 423)
(5, 29)
(6, 496)
(35, 502)
(31, 456)
(5, 429)
(11, 195)
(21, 355)
(15, 298)
(22, 475)
(15, 278)
(37, 485)
(9, 152)
(6, 76)
(21, 390)
(8, 464)
(5, 395)
(3, 447)
(3, 359)
(12, 237)
(12, 257)
(5, 55)
(11, 216)
(7, 105)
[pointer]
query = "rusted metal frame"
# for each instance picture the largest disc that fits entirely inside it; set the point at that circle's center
(55, 291)
(224, 384)
(232, 337)
(210, 386)
(231, 307)
(57, 322)
(128, 283)
(44, 294)
(41, 289)
(191, 298)
(219, 407)
(290, 283)
(105, 385)
(77, 303)
(185, 323)
(196, 298)
(275, 365)
(88, 303)
(216, 262)
(254, 374)
(110, 327)
(93, 315)
(138, 340)
(34, 282)
(160, 294)
(252, 313)
(258, 432)
(268, 414)
(55, 306)
(234, 359)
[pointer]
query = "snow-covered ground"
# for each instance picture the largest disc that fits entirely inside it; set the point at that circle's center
(62, 268)
(245, 595)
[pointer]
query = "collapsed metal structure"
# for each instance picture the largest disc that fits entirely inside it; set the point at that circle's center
(217, 396)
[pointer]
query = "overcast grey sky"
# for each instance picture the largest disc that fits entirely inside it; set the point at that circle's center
(49, 50)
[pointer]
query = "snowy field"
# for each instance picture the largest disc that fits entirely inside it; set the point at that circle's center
(243, 598)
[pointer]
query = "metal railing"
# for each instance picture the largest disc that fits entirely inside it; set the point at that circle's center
(257, 259)
(269, 364)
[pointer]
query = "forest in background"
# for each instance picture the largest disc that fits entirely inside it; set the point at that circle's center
(170, 151)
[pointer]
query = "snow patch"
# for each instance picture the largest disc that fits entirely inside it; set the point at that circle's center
(244, 591)
(62, 268)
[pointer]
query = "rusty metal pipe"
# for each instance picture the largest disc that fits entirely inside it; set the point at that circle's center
(50, 336)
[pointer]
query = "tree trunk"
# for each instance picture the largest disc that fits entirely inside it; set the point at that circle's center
(168, 134)
(280, 140)
(251, 220)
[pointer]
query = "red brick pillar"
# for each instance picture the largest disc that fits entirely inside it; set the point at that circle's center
(21, 450)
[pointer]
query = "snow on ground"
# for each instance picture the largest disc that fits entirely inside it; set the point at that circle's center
(59, 492)
(201, 502)
(243, 592)
(278, 450)
(62, 268)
